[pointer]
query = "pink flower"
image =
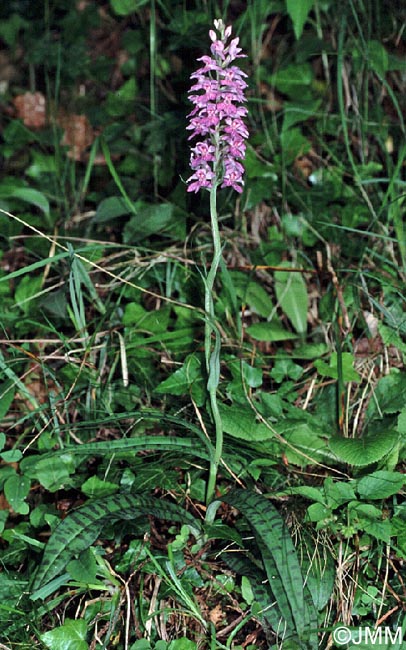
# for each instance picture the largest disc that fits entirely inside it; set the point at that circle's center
(203, 177)
(217, 115)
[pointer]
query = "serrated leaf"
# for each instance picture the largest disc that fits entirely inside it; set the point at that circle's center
(298, 11)
(363, 451)
(291, 292)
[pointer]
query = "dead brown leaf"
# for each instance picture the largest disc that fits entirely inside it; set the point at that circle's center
(78, 134)
(31, 109)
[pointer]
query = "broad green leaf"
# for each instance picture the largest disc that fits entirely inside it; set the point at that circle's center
(380, 485)
(293, 79)
(246, 590)
(296, 112)
(257, 299)
(16, 489)
(377, 57)
(53, 470)
(318, 512)
(126, 7)
(306, 443)
(363, 451)
(286, 368)
(187, 379)
(381, 530)
(33, 197)
(7, 392)
(110, 208)
(389, 394)
(369, 518)
(294, 144)
(338, 492)
(10, 27)
(95, 488)
(306, 491)
(291, 292)
(41, 164)
(150, 219)
(155, 321)
(240, 422)
(391, 336)
(182, 644)
(243, 375)
(69, 636)
(11, 455)
(298, 11)
(401, 423)
(272, 331)
(28, 287)
(84, 569)
(331, 370)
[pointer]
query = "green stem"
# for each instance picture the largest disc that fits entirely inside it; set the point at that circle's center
(212, 353)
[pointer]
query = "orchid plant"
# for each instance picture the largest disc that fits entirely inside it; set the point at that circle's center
(217, 120)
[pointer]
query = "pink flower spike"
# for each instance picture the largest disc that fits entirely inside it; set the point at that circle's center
(217, 95)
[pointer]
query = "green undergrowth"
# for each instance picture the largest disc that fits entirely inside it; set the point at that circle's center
(106, 538)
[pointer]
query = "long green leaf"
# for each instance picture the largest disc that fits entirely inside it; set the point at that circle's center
(82, 527)
(280, 562)
(291, 292)
(242, 565)
(298, 11)
(188, 446)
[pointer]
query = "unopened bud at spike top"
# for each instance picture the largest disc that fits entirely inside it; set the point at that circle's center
(218, 96)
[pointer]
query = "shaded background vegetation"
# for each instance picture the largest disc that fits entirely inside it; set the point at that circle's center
(101, 259)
